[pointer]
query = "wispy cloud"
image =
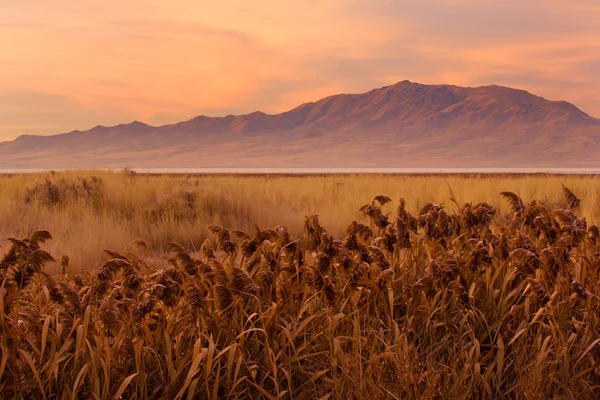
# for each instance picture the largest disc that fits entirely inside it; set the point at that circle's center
(109, 61)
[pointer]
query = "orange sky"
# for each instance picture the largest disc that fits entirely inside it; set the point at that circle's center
(68, 65)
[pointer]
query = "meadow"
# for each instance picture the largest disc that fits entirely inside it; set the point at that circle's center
(91, 211)
(116, 285)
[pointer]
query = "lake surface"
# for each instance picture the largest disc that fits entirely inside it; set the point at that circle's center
(319, 171)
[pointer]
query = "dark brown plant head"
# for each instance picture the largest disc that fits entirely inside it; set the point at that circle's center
(378, 257)
(223, 297)
(525, 261)
(386, 278)
(40, 236)
(64, 264)
(359, 230)
(224, 242)
(514, 201)
(382, 200)
(572, 201)
(539, 291)
(195, 295)
(579, 289)
(71, 295)
(109, 315)
(240, 281)
(184, 260)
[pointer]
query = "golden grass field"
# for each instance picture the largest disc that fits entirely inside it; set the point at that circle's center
(458, 292)
(163, 208)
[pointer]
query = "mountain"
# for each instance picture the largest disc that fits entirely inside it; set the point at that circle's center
(403, 125)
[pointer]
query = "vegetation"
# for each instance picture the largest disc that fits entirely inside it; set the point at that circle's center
(90, 211)
(457, 301)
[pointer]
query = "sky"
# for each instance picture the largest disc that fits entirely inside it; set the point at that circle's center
(68, 64)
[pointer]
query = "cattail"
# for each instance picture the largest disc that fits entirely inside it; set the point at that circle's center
(572, 201)
(540, 292)
(223, 297)
(579, 289)
(402, 234)
(524, 260)
(240, 281)
(207, 249)
(174, 274)
(132, 280)
(484, 213)
(385, 278)
(240, 235)
(111, 267)
(78, 281)
(64, 264)
(116, 293)
(195, 295)
(329, 292)
(502, 247)
(378, 257)
(220, 275)
(459, 291)
(265, 277)
(146, 305)
(40, 236)
(480, 255)
(381, 221)
(101, 287)
(312, 232)
(224, 242)
(109, 315)
(350, 242)
(382, 200)
(312, 277)
(55, 295)
(441, 271)
(70, 295)
(522, 241)
(187, 263)
(410, 221)
(515, 202)
(363, 255)
(345, 262)
(329, 246)
(594, 234)
(552, 258)
(322, 262)
(283, 234)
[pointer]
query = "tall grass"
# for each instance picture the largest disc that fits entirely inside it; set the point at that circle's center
(461, 301)
(90, 211)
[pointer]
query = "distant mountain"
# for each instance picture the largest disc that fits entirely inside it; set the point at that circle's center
(404, 125)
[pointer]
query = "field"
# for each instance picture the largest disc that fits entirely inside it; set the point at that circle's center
(150, 287)
(87, 214)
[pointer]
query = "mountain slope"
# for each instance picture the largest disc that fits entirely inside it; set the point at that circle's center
(403, 125)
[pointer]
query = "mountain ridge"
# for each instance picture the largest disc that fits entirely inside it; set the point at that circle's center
(439, 124)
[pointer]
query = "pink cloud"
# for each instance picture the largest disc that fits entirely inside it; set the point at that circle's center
(142, 59)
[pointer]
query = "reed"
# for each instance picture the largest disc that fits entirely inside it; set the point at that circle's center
(458, 300)
(88, 211)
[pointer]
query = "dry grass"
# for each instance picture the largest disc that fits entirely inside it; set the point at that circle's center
(85, 218)
(461, 301)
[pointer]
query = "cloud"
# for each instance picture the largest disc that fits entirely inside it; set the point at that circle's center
(104, 61)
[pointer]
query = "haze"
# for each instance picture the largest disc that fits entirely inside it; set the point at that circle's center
(66, 65)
